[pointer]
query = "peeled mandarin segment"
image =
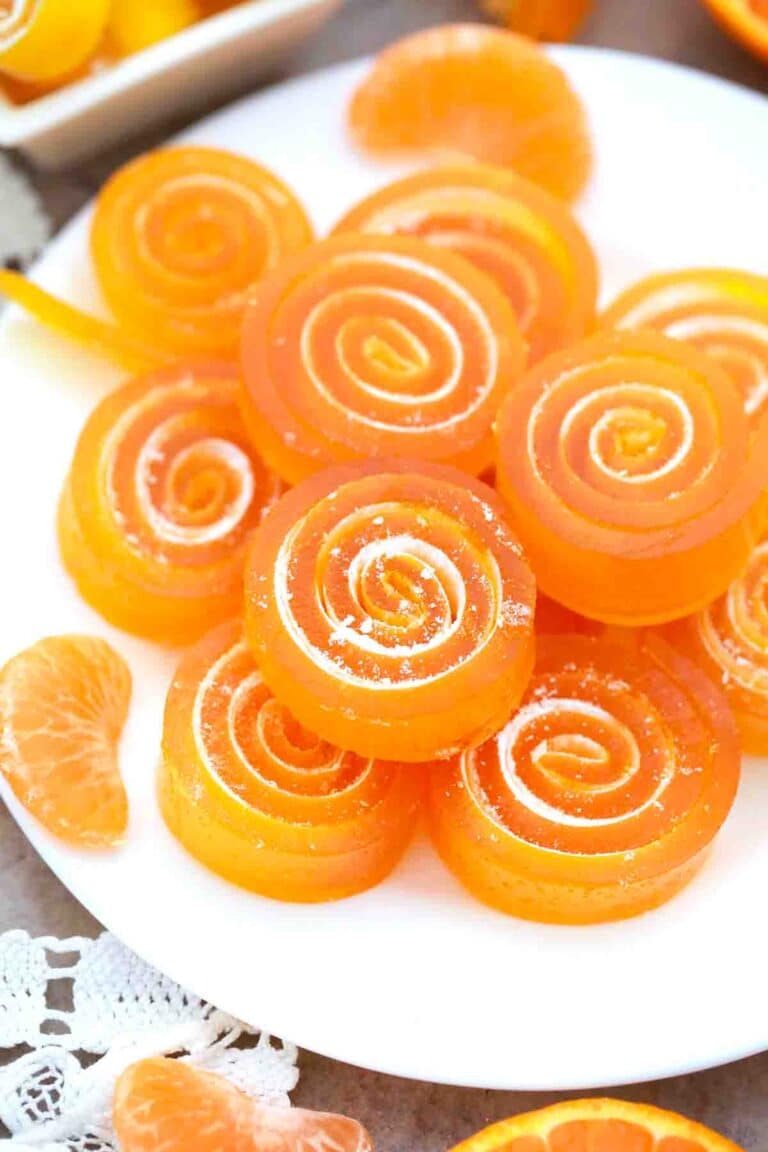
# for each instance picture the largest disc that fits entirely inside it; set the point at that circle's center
(162, 1103)
(632, 477)
(480, 92)
(746, 21)
(380, 594)
(541, 19)
(263, 801)
(43, 40)
(729, 640)
(599, 797)
(525, 239)
(180, 235)
(597, 1126)
(721, 311)
(163, 490)
(377, 346)
(63, 704)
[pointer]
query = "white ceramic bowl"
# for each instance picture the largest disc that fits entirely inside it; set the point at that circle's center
(211, 60)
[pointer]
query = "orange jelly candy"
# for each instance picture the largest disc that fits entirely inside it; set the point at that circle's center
(524, 238)
(729, 639)
(390, 607)
(163, 490)
(377, 346)
(721, 311)
(181, 234)
(42, 41)
(744, 20)
(479, 92)
(600, 795)
(632, 477)
(264, 802)
(554, 619)
(541, 19)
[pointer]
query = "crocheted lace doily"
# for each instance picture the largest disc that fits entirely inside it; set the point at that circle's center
(80, 1011)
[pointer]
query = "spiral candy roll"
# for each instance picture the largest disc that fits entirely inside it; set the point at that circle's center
(600, 796)
(369, 346)
(389, 605)
(632, 477)
(729, 640)
(181, 234)
(511, 229)
(162, 493)
(44, 40)
(266, 803)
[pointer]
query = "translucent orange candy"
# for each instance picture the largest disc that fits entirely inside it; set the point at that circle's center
(510, 228)
(181, 234)
(44, 40)
(541, 19)
(478, 92)
(377, 346)
(264, 802)
(632, 477)
(600, 795)
(729, 640)
(163, 491)
(390, 607)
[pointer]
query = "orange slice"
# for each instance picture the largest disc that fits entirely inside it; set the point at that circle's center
(515, 231)
(597, 1126)
(63, 704)
(722, 311)
(43, 40)
(377, 346)
(163, 491)
(479, 92)
(166, 1104)
(541, 19)
(380, 594)
(262, 801)
(180, 235)
(598, 798)
(744, 20)
(632, 476)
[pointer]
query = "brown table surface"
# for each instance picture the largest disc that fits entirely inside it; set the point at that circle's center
(405, 1116)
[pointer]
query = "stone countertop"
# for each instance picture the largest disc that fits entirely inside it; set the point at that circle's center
(405, 1116)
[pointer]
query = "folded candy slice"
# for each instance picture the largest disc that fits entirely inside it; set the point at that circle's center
(600, 795)
(180, 235)
(264, 802)
(377, 346)
(510, 228)
(390, 606)
(722, 311)
(163, 491)
(729, 640)
(44, 40)
(632, 476)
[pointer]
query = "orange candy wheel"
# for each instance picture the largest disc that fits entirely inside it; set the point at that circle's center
(599, 797)
(180, 235)
(632, 477)
(597, 1126)
(42, 41)
(746, 21)
(729, 639)
(377, 346)
(378, 595)
(721, 311)
(477, 92)
(162, 493)
(553, 619)
(524, 238)
(259, 799)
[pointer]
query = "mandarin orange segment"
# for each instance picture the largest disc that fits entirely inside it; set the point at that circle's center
(377, 346)
(729, 639)
(163, 490)
(509, 228)
(746, 21)
(180, 235)
(541, 19)
(44, 40)
(632, 476)
(169, 1105)
(264, 802)
(597, 1126)
(721, 311)
(478, 92)
(378, 595)
(63, 704)
(598, 798)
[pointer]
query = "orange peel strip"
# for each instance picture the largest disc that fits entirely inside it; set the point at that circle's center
(599, 797)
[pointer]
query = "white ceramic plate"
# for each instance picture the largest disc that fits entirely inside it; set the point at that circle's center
(415, 978)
